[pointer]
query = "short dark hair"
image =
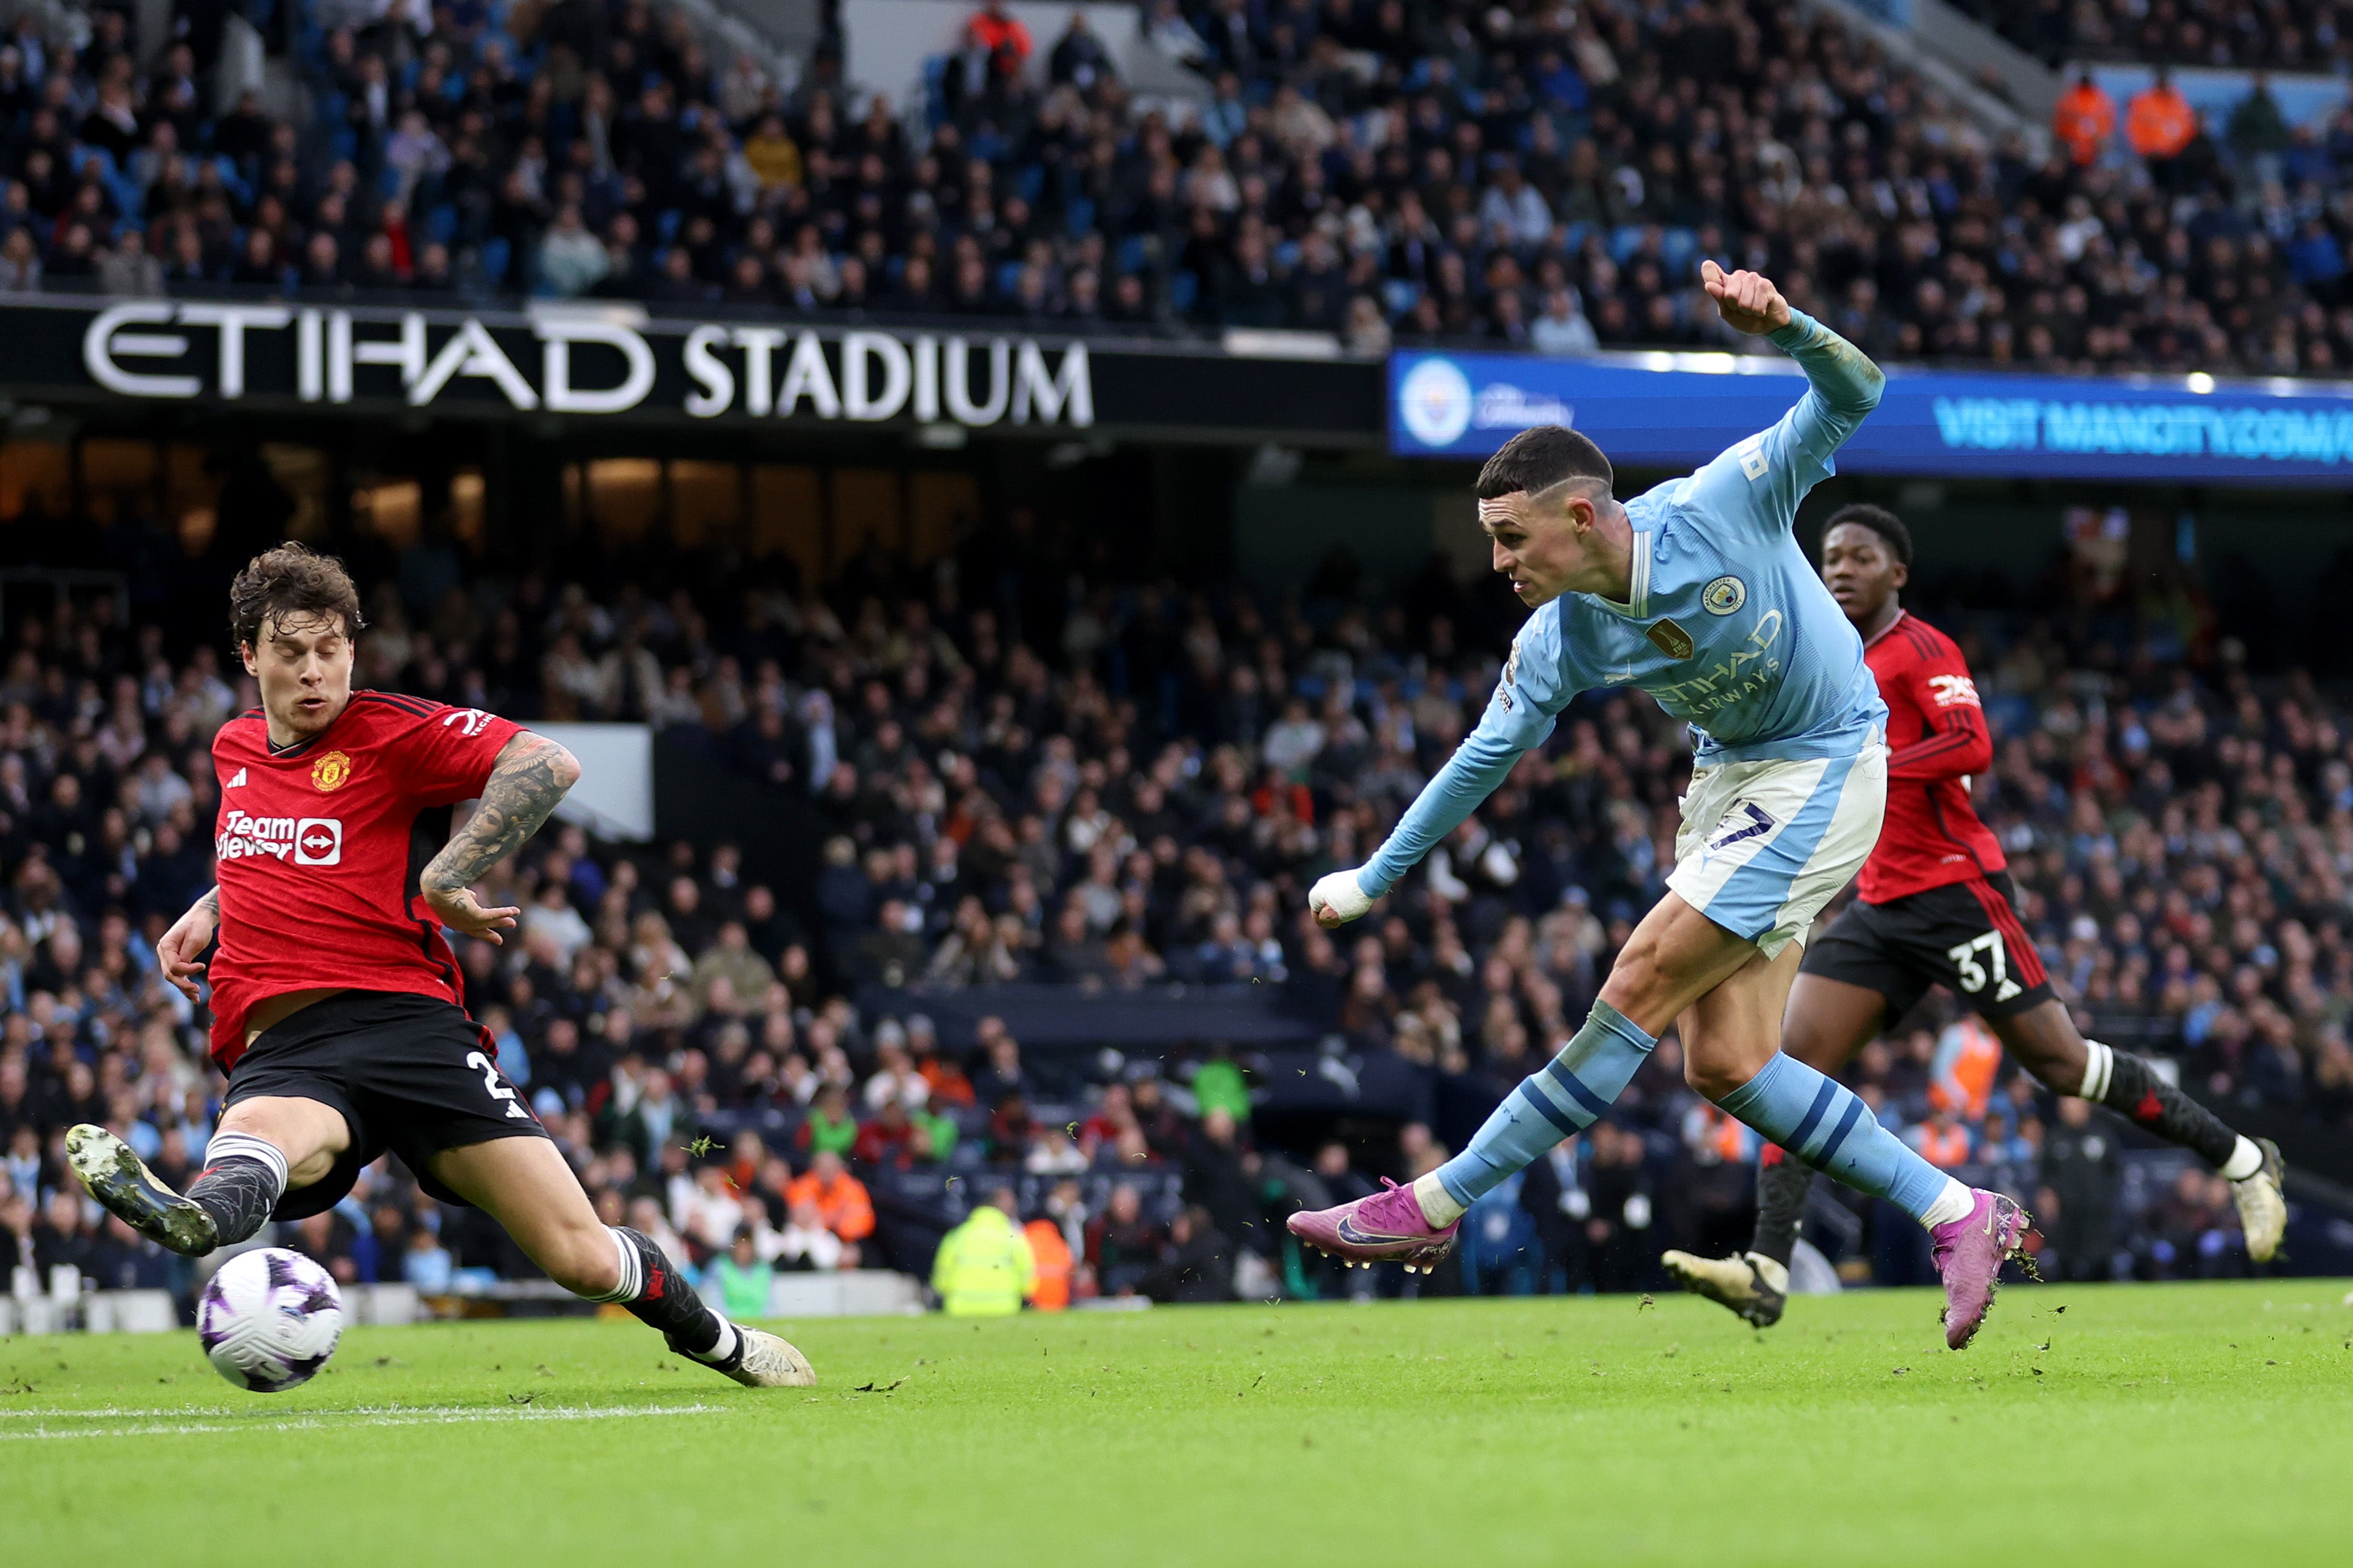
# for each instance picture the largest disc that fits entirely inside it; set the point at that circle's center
(291, 581)
(1881, 522)
(1540, 457)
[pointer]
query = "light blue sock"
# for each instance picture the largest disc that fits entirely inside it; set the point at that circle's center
(1564, 1097)
(1824, 1123)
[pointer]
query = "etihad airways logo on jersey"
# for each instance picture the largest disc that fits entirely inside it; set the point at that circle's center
(1954, 691)
(1751, 671)
(304, 840)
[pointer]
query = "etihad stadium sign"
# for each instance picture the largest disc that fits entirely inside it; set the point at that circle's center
(614, 361)
(586, 361)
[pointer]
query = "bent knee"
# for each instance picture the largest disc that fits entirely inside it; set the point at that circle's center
(1713, 1079)
(585, 1263)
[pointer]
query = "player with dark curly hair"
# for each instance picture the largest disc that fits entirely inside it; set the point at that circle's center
(338, 1006)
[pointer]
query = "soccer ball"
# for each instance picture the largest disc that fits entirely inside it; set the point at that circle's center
(269, 1319)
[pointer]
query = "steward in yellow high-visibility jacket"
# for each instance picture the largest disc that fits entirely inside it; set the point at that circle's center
(984, 1266)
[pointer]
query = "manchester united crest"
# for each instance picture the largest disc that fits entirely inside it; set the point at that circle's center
(331, 771)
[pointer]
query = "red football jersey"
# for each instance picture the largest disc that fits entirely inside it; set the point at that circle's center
(1936, 738)
(319, 848)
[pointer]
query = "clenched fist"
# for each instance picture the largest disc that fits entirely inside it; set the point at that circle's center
(1748, 301)
(1336, 900)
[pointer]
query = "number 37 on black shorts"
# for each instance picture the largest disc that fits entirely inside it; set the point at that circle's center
(1966, 936)
(413, 1075)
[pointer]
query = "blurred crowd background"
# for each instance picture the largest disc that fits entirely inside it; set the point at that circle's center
(1036, 767)
(1532, 175)
(1092, 788)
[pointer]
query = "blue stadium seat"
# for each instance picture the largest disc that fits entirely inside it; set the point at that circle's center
(1131, 253)
(1624, 240)
(1009, 273)
(1183, 289)
(666, 224)
(440, 225)
(1078, 217)
(494, 260)
(1681, 246)
(1029, 181)
(1399, 295)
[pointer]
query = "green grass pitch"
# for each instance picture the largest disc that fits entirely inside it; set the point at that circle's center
(2139, 1425)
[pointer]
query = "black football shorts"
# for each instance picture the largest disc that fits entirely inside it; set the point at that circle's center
(412, 1075)
(1966, 936)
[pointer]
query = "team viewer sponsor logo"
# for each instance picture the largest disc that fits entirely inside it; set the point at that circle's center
(304, 841)
(319, 841)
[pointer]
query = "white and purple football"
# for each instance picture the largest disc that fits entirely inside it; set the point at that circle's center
(269, 1319)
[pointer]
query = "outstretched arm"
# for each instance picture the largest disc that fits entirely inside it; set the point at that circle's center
(1511, 726)
(1843, 385)
(532, 774)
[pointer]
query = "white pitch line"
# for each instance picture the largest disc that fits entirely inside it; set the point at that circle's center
(324, 1420)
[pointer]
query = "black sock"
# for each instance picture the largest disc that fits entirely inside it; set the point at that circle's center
(1781, 1189)
(242, 1181)
(662, 1298)
(2137, 1094)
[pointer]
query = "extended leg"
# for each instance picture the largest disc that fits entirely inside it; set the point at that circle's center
(1675, 956)
(2045, 1041)
(524, 1184)
(265, 1147)
(1824, 1023)
(1817, 1120)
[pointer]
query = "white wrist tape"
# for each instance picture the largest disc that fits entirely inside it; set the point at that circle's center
(1339, 893)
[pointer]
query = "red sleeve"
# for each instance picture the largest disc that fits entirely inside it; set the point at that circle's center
(449, 752)
(1954, 741)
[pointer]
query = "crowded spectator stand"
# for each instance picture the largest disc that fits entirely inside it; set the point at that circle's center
(1440, 173)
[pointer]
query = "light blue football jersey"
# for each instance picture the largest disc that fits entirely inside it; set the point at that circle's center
(1726, 622)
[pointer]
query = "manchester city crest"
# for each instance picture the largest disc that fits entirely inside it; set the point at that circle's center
(1724, 595)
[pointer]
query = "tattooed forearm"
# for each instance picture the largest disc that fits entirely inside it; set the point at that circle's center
(210, 902)
(531, 776)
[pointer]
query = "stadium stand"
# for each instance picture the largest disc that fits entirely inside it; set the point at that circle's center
(1439, 172)
(2262, 34)
(1030, 796)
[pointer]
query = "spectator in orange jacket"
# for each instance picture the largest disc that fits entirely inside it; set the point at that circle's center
(2084, 119)
(998, 34)
(2160, 125)
(840, 1199)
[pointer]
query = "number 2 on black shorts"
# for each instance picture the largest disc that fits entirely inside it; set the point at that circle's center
(489, 1072)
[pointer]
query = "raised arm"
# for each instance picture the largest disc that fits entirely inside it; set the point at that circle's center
(1771, 470)
(532, 774)
(1843, 385)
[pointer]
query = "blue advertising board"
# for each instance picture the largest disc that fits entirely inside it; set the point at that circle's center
(1678, 410)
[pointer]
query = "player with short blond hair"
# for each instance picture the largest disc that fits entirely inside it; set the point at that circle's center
(1934, 906)
(1698, 594)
